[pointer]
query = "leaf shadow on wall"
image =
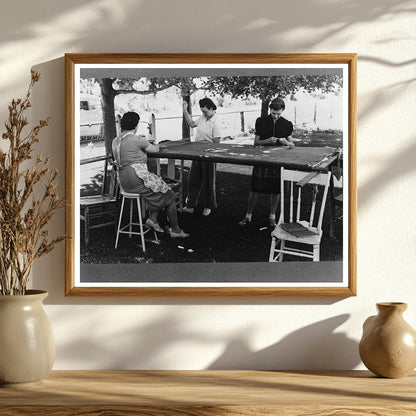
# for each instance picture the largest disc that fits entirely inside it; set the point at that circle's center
(395, 166)
(151, 344)
(145, 21)
(316, 346)
(106, 26)
(146, 344)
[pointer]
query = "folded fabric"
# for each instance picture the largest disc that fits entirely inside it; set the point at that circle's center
(296, 229)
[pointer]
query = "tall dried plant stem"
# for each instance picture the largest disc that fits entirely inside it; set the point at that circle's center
(28, 199)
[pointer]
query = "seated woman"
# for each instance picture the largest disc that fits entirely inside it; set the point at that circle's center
(130, 154)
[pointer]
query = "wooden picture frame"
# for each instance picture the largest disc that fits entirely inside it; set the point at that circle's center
(210, 278)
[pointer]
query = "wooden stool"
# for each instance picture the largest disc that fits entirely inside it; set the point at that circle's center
(129, 226)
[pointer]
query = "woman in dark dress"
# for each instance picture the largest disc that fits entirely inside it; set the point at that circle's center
(271, 130)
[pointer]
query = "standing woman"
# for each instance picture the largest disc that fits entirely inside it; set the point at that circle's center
(271, 130)
(130, 154)
(202, 173)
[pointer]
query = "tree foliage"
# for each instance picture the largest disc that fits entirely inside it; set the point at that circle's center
(264, 88)
(111, 87)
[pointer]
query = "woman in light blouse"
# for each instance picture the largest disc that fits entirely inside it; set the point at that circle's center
(202, 173)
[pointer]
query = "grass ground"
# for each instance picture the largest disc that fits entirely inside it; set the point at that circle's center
(217, 238)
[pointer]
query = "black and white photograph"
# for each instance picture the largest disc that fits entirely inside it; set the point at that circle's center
(210, 175)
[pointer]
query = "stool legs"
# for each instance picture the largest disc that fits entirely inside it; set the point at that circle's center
(139, 211)
(119, 221)
(131, 218)
(121, 230)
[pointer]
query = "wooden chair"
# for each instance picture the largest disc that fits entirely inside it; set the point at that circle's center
(128, 228)
(291, 230)
(99, 211)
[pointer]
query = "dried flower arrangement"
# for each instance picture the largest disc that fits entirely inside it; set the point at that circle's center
(28, 199)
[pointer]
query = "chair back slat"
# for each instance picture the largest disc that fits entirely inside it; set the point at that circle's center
(319, 183)
(314, 197)
(282, 200)
(110, 186)
(113, 185)
(321, 213)
(299, 203)
(291, 203)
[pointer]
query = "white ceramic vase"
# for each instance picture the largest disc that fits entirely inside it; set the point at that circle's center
(27, 346)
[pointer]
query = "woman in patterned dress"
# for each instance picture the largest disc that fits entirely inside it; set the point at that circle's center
(130, 154)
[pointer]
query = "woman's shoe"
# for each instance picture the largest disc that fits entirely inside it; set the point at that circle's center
(244, 222)
(182, 234)
(154, 225)
(188, 210)
(206, 212)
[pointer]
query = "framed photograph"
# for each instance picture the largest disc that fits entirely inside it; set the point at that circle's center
(211, 174)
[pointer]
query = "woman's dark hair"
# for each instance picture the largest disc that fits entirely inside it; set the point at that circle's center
(277, 104)
(207, 103)
(129, 121)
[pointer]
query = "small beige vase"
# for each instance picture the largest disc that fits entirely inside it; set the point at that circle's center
(27, 347)
(388, 345)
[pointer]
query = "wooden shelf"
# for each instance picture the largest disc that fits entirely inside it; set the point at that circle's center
(208, 393)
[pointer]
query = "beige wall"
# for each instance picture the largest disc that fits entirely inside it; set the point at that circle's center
(195, 333)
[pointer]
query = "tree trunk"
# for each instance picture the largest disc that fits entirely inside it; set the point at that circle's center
(107, 105)
(265, 107)
(186, 130)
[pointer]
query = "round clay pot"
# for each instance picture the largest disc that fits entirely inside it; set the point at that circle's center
(388, 345)
(27, 347)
